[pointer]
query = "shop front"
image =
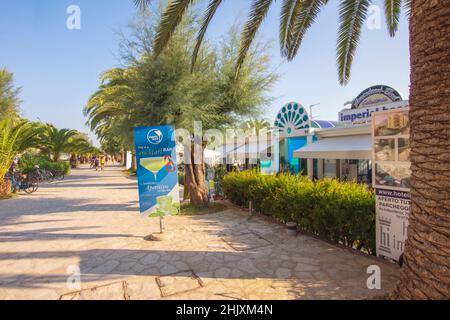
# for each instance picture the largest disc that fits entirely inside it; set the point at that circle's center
(345, 151)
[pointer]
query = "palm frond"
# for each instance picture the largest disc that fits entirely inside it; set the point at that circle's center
(407, 4)
(302, 22)
(392, 9)
(142, 4)
(209, 14)
(285, 20)
(352, 14)
(258, 12)
(169, 22)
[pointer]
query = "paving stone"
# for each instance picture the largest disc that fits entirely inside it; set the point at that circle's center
(105, 268)
(150, 258)
(283, 273)
(114, 291)
(178, 283)
(247, 266)
(99, 232)
(168, 269)
(222, 273)
(302, 267)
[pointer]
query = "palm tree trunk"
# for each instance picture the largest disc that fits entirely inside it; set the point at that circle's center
(133, 161)
(195, 180)
(425, 274)
(123, 156)
(5, 188)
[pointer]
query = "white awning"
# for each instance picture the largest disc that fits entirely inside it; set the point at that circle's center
(225, 149)
(357, 147)
(251, 150)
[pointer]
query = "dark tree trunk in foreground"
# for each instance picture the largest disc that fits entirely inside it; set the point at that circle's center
(426, 273)
(5, 188)
(195, 179)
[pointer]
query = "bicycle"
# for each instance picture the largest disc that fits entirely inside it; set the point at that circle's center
(43, 175)
(23, 182)
(58, 175)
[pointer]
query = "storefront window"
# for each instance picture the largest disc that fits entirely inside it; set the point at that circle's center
(365, 171)
(330, 168)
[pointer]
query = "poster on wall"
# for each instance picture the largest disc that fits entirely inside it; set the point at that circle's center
(391, 178)
(157, 171)
(393, 209)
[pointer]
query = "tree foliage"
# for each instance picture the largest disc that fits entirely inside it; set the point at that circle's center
(297, 16)
(56, 141)
(9, 96)
(150, 90)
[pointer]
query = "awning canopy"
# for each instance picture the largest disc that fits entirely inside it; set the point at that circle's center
(252, 150)
(225, 149)
(357, 147)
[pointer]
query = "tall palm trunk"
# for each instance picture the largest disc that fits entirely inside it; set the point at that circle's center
(123, 156)
(425, 274)
(195, 179)
(133, 161)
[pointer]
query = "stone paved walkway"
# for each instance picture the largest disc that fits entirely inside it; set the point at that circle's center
(89, 223)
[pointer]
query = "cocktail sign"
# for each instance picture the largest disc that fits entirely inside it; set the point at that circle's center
(157, 171)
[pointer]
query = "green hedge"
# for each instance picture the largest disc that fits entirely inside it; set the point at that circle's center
(343, 212)
(28, 163)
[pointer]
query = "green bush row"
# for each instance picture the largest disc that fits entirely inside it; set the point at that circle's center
(28, 163)
(342, 212)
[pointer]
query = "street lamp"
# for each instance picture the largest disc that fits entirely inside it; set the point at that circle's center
(311, 109)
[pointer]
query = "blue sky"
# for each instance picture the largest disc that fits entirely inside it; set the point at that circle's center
(58, 69)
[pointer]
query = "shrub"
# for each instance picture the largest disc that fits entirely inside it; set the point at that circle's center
(28, 163)
(343, 212)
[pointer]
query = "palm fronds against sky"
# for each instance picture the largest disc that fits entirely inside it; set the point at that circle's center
(296, 17)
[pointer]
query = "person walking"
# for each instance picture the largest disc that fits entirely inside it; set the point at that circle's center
(92, 164)
(12, 172)
(96, 163)
(102, 163)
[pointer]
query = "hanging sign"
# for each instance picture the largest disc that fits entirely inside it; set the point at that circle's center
(391, 178)
(157, 171)
(374, 99)
(376, 95)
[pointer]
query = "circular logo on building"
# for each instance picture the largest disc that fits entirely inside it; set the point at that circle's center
(155, 136)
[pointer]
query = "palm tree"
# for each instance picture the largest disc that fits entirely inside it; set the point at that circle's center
(425, 272)
(15, 138)
(110, 110)
(256, 126)
(55, 141)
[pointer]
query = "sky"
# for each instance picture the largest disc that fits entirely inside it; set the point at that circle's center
(58, 69)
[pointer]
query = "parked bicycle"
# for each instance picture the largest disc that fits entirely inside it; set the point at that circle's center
(23, 182)
(43, 175)
(58, 175)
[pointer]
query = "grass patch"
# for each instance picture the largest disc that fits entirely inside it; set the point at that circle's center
(193, 210)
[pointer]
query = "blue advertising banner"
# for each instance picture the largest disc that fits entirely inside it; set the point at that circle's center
(157, 171)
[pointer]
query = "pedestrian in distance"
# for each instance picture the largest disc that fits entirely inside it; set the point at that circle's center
(102, 163)
(12, 172)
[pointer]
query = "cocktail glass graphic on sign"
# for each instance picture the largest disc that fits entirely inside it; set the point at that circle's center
(166, 207)
(154, 165)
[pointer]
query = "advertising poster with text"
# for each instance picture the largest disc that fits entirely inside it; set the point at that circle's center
(157, 171)
(391, 178)
(393, 209)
